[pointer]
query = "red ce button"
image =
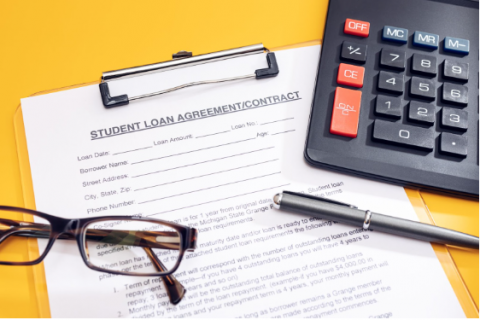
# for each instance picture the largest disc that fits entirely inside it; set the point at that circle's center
(349, 75)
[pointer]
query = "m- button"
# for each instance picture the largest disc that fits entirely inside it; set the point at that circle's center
(357, 28)
(349, 75)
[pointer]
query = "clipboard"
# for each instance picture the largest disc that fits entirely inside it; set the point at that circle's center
(37, 272)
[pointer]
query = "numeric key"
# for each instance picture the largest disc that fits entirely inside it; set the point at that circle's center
(423, 64)
(422, 88)
(354, 51)
(455, 93)
(453, 144)
(454, 118)
(388, 106)
(391, 82)
(455, 70)
(404, 135)
(421, 112)
(393, 59)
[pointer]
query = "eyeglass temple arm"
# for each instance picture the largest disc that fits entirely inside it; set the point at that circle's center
(175, 290)
(141, 238)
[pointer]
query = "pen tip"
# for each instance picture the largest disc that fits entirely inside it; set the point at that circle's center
(277, 199)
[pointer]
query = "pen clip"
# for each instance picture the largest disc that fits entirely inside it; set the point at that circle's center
(322, 199)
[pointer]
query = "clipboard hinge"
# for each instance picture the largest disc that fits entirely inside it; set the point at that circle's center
(182, 54)
(183, 59)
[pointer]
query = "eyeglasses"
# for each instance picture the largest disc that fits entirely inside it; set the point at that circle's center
(121, 245)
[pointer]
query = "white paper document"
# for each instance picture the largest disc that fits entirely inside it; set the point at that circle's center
(212, 157)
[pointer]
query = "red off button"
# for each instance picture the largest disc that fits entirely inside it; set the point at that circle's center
(357, 28)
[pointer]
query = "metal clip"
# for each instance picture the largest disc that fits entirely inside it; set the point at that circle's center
(185, 59)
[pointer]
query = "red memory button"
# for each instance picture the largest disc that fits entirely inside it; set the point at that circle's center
(357, 28)
(346, 110)
(350, 75)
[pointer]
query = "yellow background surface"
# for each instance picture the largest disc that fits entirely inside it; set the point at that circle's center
(47, 45)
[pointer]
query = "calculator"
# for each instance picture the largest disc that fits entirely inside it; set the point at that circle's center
(396, 97)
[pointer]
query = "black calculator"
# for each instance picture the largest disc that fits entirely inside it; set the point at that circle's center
(396, 97)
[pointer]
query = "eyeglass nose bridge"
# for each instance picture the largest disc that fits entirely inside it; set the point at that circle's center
(66, 227)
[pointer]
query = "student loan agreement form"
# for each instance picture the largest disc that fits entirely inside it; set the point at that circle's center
(213, 157)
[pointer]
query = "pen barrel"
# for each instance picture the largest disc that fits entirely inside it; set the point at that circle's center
(378, 222)
(323, 210)
(421, 231)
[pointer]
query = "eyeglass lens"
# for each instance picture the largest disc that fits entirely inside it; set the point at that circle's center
(132, 246)
(23, 237)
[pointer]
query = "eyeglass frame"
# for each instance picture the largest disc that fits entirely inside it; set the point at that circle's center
(78, 227)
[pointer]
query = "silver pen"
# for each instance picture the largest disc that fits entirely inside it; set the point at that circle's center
(345, 213)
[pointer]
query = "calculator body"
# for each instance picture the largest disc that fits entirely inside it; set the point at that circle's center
(419, 133)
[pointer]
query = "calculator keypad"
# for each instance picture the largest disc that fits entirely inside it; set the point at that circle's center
(417, 130)
(411, 126)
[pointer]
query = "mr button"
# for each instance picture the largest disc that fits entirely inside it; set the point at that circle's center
(346, 111)
(425, 39)
(357, 28)
(350, 75)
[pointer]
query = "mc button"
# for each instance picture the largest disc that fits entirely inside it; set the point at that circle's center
(395, 34)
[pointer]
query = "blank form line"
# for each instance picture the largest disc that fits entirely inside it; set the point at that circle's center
(178, 154)
(194, 164)
(217, 186)
(199, 204)
(283, 132)
(205, 175)
(131, 150)
(212, 134)
(262, 124)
